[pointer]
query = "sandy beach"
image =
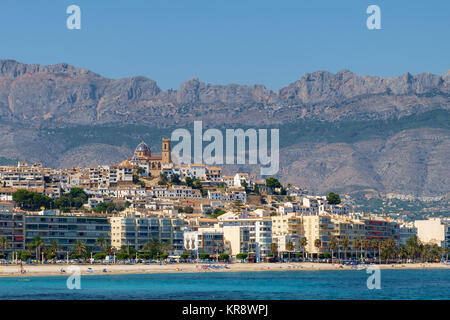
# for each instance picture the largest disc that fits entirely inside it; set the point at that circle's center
(52, 270)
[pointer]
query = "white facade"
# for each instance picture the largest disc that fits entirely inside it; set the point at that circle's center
(434, 231)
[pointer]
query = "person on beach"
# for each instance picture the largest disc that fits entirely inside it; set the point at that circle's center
(22, 270)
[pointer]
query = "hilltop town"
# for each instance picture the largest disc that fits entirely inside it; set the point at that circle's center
(149, 207)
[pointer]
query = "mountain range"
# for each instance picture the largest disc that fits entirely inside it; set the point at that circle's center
(342, 132)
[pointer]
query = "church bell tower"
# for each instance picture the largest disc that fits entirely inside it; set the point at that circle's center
(166, 158)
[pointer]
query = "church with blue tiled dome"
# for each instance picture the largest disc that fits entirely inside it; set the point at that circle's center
(142, 157)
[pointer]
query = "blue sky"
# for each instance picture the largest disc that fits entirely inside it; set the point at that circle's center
(247, 42)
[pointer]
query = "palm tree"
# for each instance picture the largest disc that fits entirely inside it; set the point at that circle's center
(366, 245)
(379, 245)
(165, 247)
(333, 245)
(4, 243)
(157, 247)
(303, 243)
(376, 244)
(345, 244)
(274, 249)
(402, 253)
(53, 248)
(289, 248)
(318, 245)
(357, 245)
(101, 242)
(388, 248)
(80, 248)
(109, 250)
(413, 247)
(37, 244)
(151, 246)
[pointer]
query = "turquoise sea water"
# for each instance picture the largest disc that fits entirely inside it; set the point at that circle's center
(348, 284)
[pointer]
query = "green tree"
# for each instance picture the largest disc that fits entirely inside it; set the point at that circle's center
(378, 244)
(345, 245)
(217, 212)
(203, 256)
(273, 183)
(224, 257)
(188, 181)
(100, 256)
(175, 179)
(333, 198)
(188, 209)
(37, 244)
(402, 253)
(413, 247)
(109, 250)
(52, 249)
(81, 249)
(29, 200)
(388, 249)
(289, 248)
(25, 255)
(101, 242)
(366, 245)
(333, 246)
(122, 256)
(357, 245)
(274, 249)
(318, 245)
(242, 256)
(4, 243)
(303, 244)
(108, 207)
(197, 184)
(78, 193)
(185, 255)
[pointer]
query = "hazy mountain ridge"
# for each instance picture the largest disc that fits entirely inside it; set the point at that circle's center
(62, 94)
(35, 98)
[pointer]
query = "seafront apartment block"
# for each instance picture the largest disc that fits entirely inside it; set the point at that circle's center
(66, 229)
(132, 229)
(11, 227)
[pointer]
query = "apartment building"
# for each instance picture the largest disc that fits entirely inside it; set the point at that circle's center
(282, 241)
(345, 228)
(406, 231)
(317, 227)
(260, 233)
(381, 228)
(233, 194)
(133, 229)
(213, 174)
(11, 227)
(434, 231)
(287, 224)
(66, 229)
(174, 192)
(237, 239)
(205, 240)
(22, 176)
